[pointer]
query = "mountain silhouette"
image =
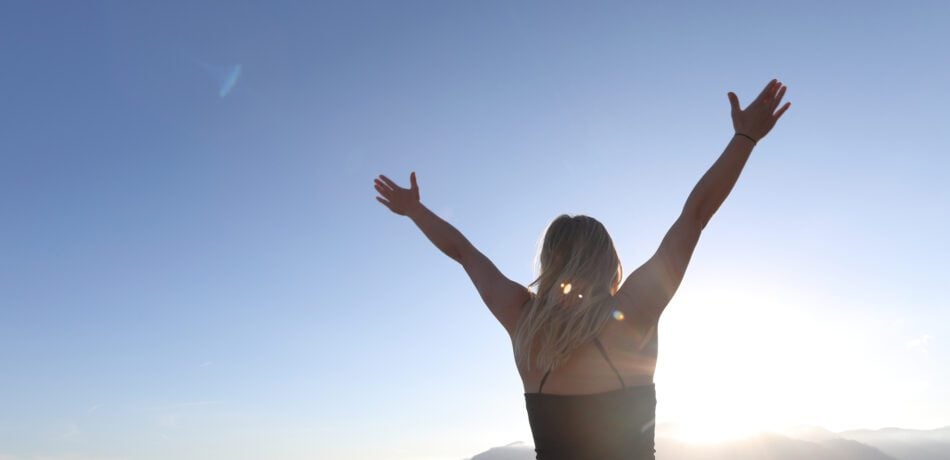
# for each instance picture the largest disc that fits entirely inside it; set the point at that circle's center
(813, 443)
(906, 444)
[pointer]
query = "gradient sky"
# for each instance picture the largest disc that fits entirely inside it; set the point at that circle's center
(193, 264)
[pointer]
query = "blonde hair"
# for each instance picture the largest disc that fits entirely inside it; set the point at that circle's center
(579, 274)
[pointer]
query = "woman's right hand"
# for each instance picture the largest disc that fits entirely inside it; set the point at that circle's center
(402, 201)
(760, 116)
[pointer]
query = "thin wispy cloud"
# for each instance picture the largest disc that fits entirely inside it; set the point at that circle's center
(71, 433)
(920, 344)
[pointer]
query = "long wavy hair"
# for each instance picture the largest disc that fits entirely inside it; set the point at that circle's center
(579, 274)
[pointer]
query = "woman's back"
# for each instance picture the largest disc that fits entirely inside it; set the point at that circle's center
(601, 403)
(631, 345)
(617, 424)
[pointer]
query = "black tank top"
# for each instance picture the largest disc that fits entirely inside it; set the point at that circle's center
(612, 425)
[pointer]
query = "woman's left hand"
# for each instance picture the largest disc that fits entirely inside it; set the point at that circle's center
(399, 200)
(760, 116)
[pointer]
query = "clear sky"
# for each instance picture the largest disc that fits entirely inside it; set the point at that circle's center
(193, 263)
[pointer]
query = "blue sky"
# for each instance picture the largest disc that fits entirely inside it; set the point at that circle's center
(194, 272)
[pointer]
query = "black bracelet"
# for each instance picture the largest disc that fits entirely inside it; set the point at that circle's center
(743, 135)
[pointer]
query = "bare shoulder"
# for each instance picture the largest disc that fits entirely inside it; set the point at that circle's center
(651, 286)
(523, 302)
(504, 297)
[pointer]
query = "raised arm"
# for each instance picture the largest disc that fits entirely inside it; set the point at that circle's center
(651, 286)
(503, 296)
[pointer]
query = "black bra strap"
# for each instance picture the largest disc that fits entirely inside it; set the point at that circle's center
(543, 379)
(604, 352)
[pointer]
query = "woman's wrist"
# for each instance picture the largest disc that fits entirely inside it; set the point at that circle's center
(414, 210)
(746, 136)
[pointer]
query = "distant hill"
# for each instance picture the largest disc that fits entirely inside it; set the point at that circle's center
(811, 443)
(513, 451)
(769, 447)
(906, 444)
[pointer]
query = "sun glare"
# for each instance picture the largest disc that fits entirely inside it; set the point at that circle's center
(713, 431)
(737, 362)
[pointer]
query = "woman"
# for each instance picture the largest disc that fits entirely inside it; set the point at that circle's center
(585, 345)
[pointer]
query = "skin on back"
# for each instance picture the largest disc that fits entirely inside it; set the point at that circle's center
(632, 347)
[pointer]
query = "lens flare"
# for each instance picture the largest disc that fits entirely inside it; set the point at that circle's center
(566, 287)
(226, 77)
(618, 315)
(230, 80)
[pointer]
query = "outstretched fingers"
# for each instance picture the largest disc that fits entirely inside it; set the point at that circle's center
(390, 183)
(734, 102)
(767, 91)
(385, 203)
(781, 111)
(778, 97)
(382, 188)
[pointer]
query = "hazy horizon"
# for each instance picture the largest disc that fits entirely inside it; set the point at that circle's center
(807, 442)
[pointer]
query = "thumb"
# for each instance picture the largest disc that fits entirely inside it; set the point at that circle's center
(734, 101)
(412, 180)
